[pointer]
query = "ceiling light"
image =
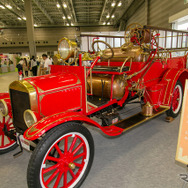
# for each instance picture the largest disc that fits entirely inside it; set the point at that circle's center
(112, 16)
(9, 7)
(24, 18)
(64, 5)
(104, 23)
(113, 4)
(2, 7)
(119, 4)
(19, 18)
(64, 17)
(67, 24)
(108, 16)
(58, 5)
(35, 25)
(108, 23)
(72, 24)
(69, 17)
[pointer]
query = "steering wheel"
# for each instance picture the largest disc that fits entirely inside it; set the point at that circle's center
(102, 52)
(134, 33)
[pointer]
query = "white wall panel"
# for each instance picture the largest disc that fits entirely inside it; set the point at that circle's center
(159, 12)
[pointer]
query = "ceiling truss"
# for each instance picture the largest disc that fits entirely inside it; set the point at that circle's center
(60, 13)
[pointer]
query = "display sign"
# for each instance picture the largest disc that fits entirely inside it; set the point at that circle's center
(182, 147)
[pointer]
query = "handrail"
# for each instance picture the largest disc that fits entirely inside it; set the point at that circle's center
(124, 63)
(93, 64)
(89, 72)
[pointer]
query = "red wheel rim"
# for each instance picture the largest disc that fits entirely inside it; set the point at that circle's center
(65, 162)
(176, 99)
(5, 142)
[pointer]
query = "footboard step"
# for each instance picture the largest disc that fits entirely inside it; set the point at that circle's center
(169, 119)
(137, 119)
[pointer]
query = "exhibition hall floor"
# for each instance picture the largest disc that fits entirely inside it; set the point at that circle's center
(141, 158)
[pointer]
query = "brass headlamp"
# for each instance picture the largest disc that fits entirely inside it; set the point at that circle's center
(29, 118)
(66, 48)
(3, 107)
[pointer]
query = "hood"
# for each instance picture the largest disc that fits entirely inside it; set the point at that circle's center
(53, 81)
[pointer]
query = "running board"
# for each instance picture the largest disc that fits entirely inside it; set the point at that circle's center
(137, 119)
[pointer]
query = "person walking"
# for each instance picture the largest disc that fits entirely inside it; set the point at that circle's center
(19, 66)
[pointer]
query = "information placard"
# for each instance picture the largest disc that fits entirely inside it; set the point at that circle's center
(182, 147)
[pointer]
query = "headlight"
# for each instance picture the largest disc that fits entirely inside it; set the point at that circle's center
(29, 118)
(66, 48)
(3, 107)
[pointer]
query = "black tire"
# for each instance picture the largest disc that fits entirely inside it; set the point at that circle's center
(13, 147)
(6, 144)
(174, 111)
(46, 148)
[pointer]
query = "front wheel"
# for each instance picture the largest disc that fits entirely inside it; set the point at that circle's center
(62, 158)
(176, 102)
(6, 144)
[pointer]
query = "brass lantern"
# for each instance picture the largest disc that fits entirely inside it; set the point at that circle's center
(66, 48)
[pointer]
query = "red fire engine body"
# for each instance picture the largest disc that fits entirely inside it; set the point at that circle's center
(48, 111)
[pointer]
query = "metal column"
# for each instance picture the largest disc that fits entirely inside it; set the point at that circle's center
(30, 27)
(146, 12)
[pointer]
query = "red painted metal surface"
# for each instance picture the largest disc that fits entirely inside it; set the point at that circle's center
(49, 122)
(53, 81)
(169, 79)
(4, 95)
(60, 91)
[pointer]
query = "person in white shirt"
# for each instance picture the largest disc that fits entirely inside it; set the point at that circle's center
(47, 62)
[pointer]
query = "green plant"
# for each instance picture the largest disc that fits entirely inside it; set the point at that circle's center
(17, 59)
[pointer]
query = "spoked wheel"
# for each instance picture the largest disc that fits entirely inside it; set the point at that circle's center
(6, 144)
(177, 99)
(134, 32)
(62, 158)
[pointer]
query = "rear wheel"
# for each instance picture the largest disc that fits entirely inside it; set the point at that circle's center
(6, 144)
(176, 103)
(62, 158)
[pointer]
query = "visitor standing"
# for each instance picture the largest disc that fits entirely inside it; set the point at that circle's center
(33, 66)
(19, 66)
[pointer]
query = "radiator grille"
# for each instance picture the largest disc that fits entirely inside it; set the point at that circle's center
(19, 102)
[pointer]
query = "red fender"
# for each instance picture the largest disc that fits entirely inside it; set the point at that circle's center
(170, 78)
(47, 123)
(4, 95)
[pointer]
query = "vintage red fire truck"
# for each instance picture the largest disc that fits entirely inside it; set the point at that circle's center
(46, 114)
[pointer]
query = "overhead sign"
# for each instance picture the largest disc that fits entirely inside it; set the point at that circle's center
(182, 147)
